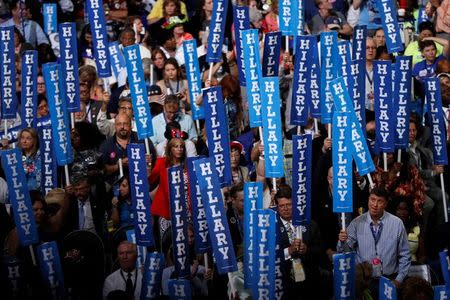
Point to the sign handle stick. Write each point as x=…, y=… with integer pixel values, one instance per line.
x=151, y=74
x=444, y=202
x=33, y=257
x=274, y=183
x=210, y=71
x=66, y=172
x=385, y=162
x=316, y=126
x=287, y=45
x=399, y=158
x=233, y=290
x=120, y=168
x=147, y=146
x=343, y=221
x=369, y=177
x=298, y=233
x=6, y=128
x=105, y=85
x=197, y=124
x=329, y=131
x=299, y=130
x=72, y=120
x=205, y=258
x=261, y=135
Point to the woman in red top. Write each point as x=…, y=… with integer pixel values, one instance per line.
x=175, y=155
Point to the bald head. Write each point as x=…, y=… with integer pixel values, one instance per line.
x=123, y=126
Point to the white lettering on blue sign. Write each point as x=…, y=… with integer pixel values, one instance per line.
x=434, y=110
x=7, y=72
x=27, y=87
x=219, y=237
x=215, y=143
x=141, y=209
x=344, y=267
x=301, y=192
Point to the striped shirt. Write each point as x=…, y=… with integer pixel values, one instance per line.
x=392, y=247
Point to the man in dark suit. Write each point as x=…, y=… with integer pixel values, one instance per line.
x=300, y=271
x=92, y=106
x=86, y=208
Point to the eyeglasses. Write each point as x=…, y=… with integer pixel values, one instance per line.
x=285, y=206
x=123, y=108
x=371, y=47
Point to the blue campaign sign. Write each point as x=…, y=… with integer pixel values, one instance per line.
x=437, y=124
x=116, y=58
x=402, y=98
x=8, y=74
x=29, y=87
x=138, y=89
x=271, y=54
x=273, y=147
x=344, y=276
x=62, y=145
x=390, y=25
x=357, y=90
x=253, y=75
x=180, y=289
x=19, y=197
x=49, y=175
x=329, y=71
x=200, y=223
x=301, y=179
x=50, y=18
x=216, y=31
x=264, y=241
x=445, y=267
x=241, y=21
x=253, y=200
x=139, y=194
x=387, y=289
x=193, y=77
x=217, y=133
x=69, y=65
x=99, y=37
x=179, y=219
x=151, y=278
x=219, y=231
x=342, y=163
x=440, y=292
x=384, y=106
x=50, y=265
x=359, y=43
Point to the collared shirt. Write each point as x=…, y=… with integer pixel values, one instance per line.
x=34, y=34
x=392, y=247
x=88, y=219
x=159, y=127
x=116, y=281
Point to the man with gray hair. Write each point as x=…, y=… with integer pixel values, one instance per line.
x=127, y=278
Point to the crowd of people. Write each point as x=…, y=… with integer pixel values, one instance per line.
x=396, y=226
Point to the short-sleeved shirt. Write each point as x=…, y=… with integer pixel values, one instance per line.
x=424, y=70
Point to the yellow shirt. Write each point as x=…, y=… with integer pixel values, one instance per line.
x=157, y=11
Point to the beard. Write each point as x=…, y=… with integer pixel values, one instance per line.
x=123, y=134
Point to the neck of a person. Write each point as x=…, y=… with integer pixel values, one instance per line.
x=122, y=142
x=128, y=270
x=376, y=218
x=369, y=65
x=324, y=13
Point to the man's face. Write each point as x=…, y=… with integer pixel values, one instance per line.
x=123, y=126
x=171, y=110
x=429, y=53
x=82, y=190
x=126, y=108
x=376, y=205
x=238, y=202
x=285, y=208
x=371, y=49
x=379, y=38
x=127, y=257
x=127, y=39
x=85, y=93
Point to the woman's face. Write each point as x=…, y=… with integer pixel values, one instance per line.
x=170, y=9
x=88, y=38
x=159, y=61
x=235, y=157
x=170, y=71
x=42, y=109
x=39, y=213
x=40, y=85
x=177, y=149
x=124, y=188
x=138, y=24
x=26, y=141
x=208, y=5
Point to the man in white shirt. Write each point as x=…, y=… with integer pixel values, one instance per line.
x=127, y=278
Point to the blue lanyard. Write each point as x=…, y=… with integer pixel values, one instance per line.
x=376, y=235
